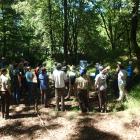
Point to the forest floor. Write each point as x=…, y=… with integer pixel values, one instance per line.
x=26, y=124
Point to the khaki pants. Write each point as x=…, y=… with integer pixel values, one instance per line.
x=83, y=100
x=59, y=94
x=122, y=92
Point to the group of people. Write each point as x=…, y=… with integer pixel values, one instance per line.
x=36, y=83
x=20, y=81
x=123, y=82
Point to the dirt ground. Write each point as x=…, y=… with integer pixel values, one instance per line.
x=26, y=124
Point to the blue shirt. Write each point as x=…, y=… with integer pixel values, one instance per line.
x=129, y=71
x=29, y=76
x=43, y=80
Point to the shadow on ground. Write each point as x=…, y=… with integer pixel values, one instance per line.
x=86, y=130
x=18, y=129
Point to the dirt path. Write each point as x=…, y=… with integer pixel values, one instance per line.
x=25, y=124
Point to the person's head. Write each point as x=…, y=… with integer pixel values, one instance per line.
x=106, y=69
x=15, y=65
x=72, y=68
x=59, y=66
x=3, y=58
x=120, y=66
x=28, y=68
x=130, y=62
x=43, y=70
x=64, y=63
x=4, y=71
x=55, y=64
x=101, y=68
x=83, y=72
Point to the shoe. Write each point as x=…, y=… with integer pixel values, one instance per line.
x=118, y=99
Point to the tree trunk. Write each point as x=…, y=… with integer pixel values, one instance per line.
x=65, y=42
x=50, y=26
x=4, y=30
x=134, y=25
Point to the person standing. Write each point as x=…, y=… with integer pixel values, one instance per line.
x=5, y=94
x=43, y=80
x=129, y=76
x=16, y=83
x=122, y=77
x=29, y=78
x=101, y=86
x=82, y=86
x=59, y=77
x=72, y=79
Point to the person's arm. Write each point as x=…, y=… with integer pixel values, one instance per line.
x=65, y=77
x=32, y=76
x=76, y=90
x=19, y=80
x=6, y=86
x=96, y=82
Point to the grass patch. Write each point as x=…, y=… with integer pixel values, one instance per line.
x=132, y=103
x=133, y=99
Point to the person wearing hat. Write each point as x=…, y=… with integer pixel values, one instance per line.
x=5, y=93
x=72, y=78
x=101, y=86
x=82, y=87
x=59, y=77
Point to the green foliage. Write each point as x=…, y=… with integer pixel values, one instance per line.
x=132, y=103
x=133, y=99
x=96, y=30
x=49, y=62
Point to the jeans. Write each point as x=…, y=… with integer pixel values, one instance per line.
x=16, y=95
x=5, y=103
x=30, y=92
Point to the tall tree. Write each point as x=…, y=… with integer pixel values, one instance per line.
x=66, y=33
x=134, y=29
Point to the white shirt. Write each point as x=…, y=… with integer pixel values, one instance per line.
x=100, y=81
x=59, y=78
x=122, y=75
x=4, y=83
